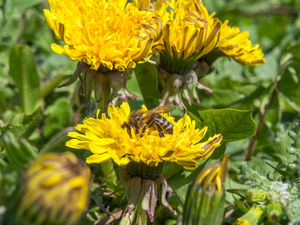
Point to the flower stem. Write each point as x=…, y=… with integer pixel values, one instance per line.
x=141, y=216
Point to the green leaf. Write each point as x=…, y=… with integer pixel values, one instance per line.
x=233, y=124
x=19, y=152
x=240, y=192
x=52, y=84
x=24, y=125
x=2, y=100
x=273, y=116
x=24, y=73
x=146, y=75
x=282, y=172
x=59, y=115
x=21, y=4
x=240, y=204
x=218, y=154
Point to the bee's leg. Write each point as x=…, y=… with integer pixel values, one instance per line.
x=158, y=128
x=144, y=129
x=129, y=132
x=128, y=128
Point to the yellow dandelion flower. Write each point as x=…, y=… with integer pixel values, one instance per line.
x=192, y=40
x=109, y=34
x=143, y=149
x=235, y=44
x=191, y=32
x=187, y=37
x=106, y=139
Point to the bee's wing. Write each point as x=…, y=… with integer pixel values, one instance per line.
x=159, y=109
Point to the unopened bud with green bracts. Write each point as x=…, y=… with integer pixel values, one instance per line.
x=252, y=217
x=256, y=195
x=205, y=201
x=54, y=189
x=273, y=212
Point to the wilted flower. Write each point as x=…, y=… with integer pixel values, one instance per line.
x=143, y=153
x=105, y=36
x=192, y=40
x=54, y=190
x=205, y=199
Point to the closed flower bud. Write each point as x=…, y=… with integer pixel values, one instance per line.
x=273, y=212
x=256, y=195
x=206, y=196
x=53, y=190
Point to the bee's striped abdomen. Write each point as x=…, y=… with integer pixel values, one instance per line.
x=161, y=124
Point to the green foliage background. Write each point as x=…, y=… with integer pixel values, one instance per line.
x=35, y=111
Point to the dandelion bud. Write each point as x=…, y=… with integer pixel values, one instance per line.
x=256, y=195
x=273, y=212
x=54, y=190
x=251, y=217
x=206, y=196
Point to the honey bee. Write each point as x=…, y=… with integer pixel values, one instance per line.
x=139, y=121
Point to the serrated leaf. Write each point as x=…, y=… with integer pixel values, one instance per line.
x=233, y=124
x=24, y=125
x=23, y=70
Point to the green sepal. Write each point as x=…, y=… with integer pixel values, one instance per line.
x=273, y=212
x=256, y=195
x=203, y=208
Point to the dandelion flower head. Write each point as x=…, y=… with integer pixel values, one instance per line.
x=110, y=34
x=106, y=139
x=190, y=33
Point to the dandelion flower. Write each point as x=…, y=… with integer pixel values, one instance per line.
x=143, y=153
x=106, y=139
x=102, y=33
x=106, y=37
x=192, y=40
